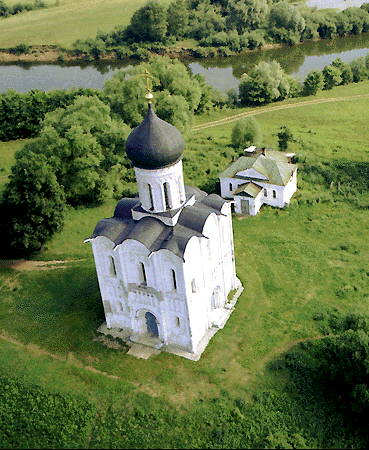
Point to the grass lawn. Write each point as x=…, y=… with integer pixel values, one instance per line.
x=295, y=264
x=65, y=21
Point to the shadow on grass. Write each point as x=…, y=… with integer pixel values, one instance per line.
x=58, y=310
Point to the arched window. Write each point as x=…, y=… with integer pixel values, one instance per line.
x=166, y=195
x=174, y=279
x=230, y=187
x=193, y=285
x=143, y=279
x=265, y=193
x=151, y=206
x=182, y=193
x=113, y=269
x=274, y=194
x=178, y=322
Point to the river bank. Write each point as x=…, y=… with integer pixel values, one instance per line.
x=54, y=54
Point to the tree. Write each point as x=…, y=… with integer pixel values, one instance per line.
x=34, y=203
x=284, y=137
x=246, y=132
x=178, y=16
x=266, y=83
x=345, y=70
x=327, y=25
x=332, y=77
x=245, y=15
x=286, y=24
x=359, y=70
x=206, y=20
x=173, y=109
x=314, y=82
x=4, y=10
x=149, y=23
x=82, y=142
x=125, y=91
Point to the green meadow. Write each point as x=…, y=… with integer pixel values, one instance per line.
x=65, y=21
x=297, y=265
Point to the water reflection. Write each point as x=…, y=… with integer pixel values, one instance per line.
x=23, y=77
x=222, y=73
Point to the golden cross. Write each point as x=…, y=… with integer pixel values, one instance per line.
x=149, y=79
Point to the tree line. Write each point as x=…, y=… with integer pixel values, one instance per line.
x=222, y=27
x=19, y=7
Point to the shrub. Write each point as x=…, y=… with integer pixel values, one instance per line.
x=332, y=77
x=246, y=132
x=34, y=203
x=20, y=49
x=284, y=137
x=31, y=417
x=266, y=83
x=314, y=82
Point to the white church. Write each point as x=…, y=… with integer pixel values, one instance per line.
x=261, y=176
x=165, y=260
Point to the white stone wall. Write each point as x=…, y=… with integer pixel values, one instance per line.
x=229, y=185
x=273, y=194
x=278, y=196
x=290, y=188
x=156, y=181
x=254, y=203
x=184, y=310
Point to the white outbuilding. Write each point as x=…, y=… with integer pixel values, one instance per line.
x=165, y=260
x=262, y=176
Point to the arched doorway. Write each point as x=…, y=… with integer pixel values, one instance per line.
x=151, y=324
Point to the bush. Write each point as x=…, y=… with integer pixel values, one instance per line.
x=30, y=417
x=21, y=115
x=314, y=82
x=34, y=204
x=332, y=77
x=284, y=137
x=266, y=83
x=148, y=24
x=246, y=132
x=20, y=49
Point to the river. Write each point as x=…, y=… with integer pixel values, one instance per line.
x=222, y=73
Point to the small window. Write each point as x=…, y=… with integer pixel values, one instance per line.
x=151, y=206
x=166, y=196
x=113, y=269
x=178, y=322
x=230, y=187
x=265, y=193
x=174, y=279
x=193, y=285
x=274, y=194
x=143, y=279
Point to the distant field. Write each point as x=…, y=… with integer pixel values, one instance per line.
x=66, y=21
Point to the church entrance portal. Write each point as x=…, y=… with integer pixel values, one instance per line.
x=245, y=207
x=151, y=324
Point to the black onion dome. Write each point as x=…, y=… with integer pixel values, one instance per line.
x=154, y=143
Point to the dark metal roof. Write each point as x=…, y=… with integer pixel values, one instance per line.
x=152, y=232
x=154, y=144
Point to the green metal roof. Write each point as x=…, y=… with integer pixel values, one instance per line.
x=276, y=171
x=248, y=189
